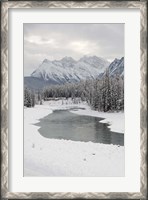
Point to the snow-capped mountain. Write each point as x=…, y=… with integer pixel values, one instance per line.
x=70, y=70
x=116, y=67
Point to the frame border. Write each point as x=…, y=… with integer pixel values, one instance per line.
x=5, y=5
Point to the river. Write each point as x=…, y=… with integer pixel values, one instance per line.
x=62, y=124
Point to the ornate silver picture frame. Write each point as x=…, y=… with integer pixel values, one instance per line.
x=5, y=100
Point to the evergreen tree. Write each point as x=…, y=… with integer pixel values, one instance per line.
x=106, y=94
x=29, y=98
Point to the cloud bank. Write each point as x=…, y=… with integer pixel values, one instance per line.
x=55, y=41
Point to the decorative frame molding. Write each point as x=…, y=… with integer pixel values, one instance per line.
x=5, y=5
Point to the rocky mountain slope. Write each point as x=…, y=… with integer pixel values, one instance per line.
x=116, y=67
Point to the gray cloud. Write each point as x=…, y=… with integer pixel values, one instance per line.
x=54, y=41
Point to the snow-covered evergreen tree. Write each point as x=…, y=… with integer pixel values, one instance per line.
x=106, y=94
x=29, y=98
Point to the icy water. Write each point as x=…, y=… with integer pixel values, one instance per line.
x=62, y=124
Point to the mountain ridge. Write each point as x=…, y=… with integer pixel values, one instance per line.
x=68, y=70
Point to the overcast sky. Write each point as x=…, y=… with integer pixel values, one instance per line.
x=55, y=41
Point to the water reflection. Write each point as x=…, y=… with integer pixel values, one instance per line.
x=62, y=124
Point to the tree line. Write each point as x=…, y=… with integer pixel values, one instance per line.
x=106, y=94
x=29, y=98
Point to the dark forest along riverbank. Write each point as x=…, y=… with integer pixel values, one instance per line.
x=62, y=124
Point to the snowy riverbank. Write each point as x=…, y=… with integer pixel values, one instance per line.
x=115, y=120
x=51, y=157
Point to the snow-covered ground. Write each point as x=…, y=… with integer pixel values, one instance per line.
x=52, y=157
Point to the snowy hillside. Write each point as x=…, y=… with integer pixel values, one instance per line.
x=70, y=70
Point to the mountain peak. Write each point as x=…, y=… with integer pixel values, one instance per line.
x=68, y=58
x=93, y=58
x=45, y=60
x=68, y=69
x=86, y=57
